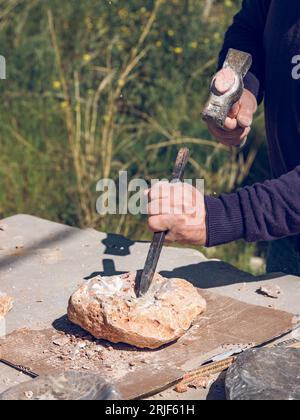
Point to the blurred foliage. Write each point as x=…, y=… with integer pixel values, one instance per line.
x=99, y=86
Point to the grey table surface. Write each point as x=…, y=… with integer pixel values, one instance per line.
x=42, y=263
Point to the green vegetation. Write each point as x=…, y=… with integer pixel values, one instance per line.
x=99, y=86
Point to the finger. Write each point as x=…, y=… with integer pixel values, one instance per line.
x=154, y=208
x=159, y=207
x=236, y=140
x=247, y=109
x=230, y=124
x=233, y=113
x=159, y=190
x=246, y=133
x=159, y=223
x=230, y=137
x=245, y=117
x=217, y=132
x=166, y=206
x=227, y=134
x=174, y=235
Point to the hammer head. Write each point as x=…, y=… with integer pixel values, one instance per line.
x=220, y=103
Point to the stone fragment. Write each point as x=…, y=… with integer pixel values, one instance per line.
x=204, y=382
x=61, y=342
x=6, y=304
x=108, y=308
x=272, y=292
x=181, y=388
x=28, y=395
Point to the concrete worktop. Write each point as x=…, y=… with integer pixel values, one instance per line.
x=42, y=263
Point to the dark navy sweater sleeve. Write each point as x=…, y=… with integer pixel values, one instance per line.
x=247, y=34
x=262, y=212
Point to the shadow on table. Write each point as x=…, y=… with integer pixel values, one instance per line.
x=117, y=245
x=211, y=274
x=217, y=390
x=63, y=324
x=206, y=275
x=109, y=270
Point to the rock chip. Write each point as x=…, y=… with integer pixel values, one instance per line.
x=108, y=308
x=272, y=292
x=6, y=304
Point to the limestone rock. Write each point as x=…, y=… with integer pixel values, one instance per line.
x=107, y=307
x=6, y=304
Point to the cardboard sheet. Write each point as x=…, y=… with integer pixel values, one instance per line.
x=227, y=324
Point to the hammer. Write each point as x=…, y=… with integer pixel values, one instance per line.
x=220, y=103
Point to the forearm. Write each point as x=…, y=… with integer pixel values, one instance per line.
x=263, y=212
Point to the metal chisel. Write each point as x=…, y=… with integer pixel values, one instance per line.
x=159, y=237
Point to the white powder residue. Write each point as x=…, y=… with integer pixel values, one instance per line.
x=108, y=286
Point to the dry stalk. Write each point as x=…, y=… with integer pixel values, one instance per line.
x=207, y=9
x=71, y=127
x=84, y=124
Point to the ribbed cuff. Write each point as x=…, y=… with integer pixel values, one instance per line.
x=224, y=219
x=252, y=83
